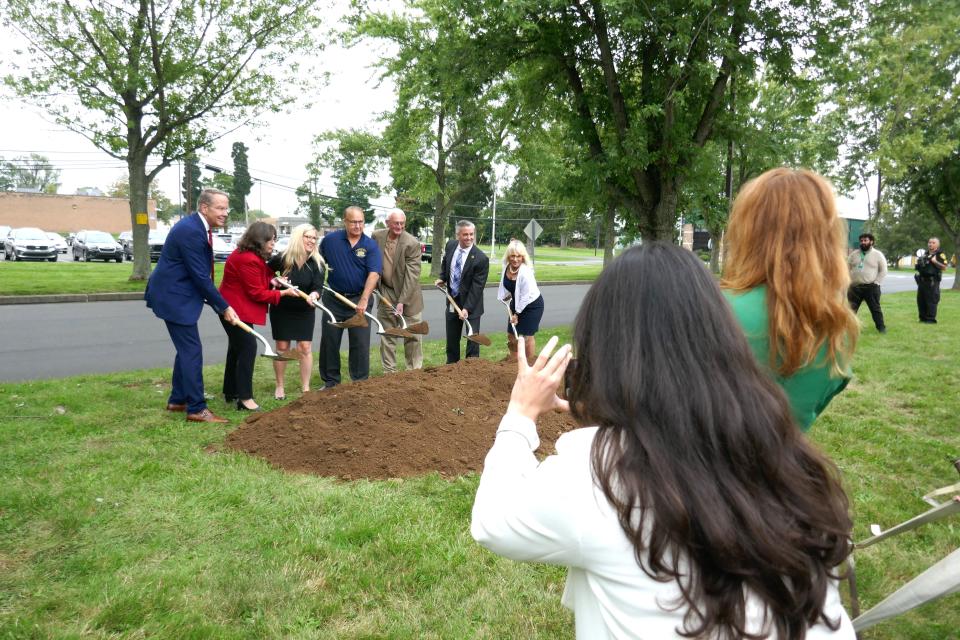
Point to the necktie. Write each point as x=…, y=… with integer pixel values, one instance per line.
x=455, y=278
x=210, y=242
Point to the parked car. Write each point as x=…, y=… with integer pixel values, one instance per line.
x=155, y=239
x=29, y=243
x=222, y=248
x=126, y=241
x=96, y=245
x=4, y=232
x=426, y=252
x=58, y=240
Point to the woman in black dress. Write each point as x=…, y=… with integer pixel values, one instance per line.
x=519, y=286
x=293, y=319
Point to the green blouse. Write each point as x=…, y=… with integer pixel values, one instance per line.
x=811, y=388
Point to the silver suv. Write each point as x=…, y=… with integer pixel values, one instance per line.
x=29, y=243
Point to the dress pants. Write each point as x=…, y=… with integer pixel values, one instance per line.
x=928, y=298
x=331, y=337
x=869, y=293
x=187, y=386
x=412, y=347
x=238, y=369
x=455, y=336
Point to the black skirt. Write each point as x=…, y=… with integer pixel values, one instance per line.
x=528, y=322
x=292, y=325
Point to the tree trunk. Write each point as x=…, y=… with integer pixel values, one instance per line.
x=609, y=233
x=563, y=240
x=665, y=213
x=139, y=220
x=956, y=271
x=439, y=235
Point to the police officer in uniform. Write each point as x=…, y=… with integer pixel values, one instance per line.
x=355, y=264
x=930, y=268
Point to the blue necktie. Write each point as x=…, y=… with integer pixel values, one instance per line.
x=455, y=278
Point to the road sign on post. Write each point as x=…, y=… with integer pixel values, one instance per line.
x=532, y=230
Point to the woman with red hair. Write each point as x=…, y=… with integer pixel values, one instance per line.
x=786, y=278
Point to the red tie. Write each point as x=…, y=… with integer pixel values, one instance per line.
x=210, y=242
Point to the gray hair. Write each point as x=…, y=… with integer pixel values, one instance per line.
x=463, y=224
x=206, y=196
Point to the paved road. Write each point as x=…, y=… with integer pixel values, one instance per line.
x=42, y=341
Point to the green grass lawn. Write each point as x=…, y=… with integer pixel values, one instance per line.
x=38, y=278
x=118, y=520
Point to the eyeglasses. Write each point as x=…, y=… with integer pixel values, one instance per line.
x=314, y=238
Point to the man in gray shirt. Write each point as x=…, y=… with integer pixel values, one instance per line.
x=868, y=267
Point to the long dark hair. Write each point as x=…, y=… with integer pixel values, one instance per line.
x=698, y=452
x=256, y=237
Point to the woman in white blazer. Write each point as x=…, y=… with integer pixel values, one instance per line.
x=519, y=286
x=689, y=504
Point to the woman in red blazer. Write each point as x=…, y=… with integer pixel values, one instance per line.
x=246, y=288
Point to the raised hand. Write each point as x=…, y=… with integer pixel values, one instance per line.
x=535, y=390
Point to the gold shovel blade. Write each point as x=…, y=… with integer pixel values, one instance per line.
x=351, y=323
x=421, y=328
x=400, y=333
x=479, y=338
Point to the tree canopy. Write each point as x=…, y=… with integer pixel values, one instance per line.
x=152, y=81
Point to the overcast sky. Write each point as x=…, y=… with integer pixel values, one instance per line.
x=279, y=149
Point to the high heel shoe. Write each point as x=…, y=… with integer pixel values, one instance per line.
x=242, y=407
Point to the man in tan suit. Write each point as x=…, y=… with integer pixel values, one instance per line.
x=400, y=284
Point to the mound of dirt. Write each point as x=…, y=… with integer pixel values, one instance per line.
x=404, y=424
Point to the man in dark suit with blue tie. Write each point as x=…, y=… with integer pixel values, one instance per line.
x=177, y=290
x=463, y=272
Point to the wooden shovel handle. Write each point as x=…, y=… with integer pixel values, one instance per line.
x=243, y=325
x=383, y=298
x=345, y=300
x=447, y=293
x=299, y=292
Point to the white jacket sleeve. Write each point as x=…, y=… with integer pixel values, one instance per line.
x=527, y=289
x=525, y=510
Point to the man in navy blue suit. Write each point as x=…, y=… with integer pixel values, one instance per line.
x=177, y=290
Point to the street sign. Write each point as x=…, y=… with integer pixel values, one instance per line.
x=532, y=230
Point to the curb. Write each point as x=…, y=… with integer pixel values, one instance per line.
x=59, y=298
x=71, y=297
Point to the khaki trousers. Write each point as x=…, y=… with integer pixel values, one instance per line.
x=412, y=348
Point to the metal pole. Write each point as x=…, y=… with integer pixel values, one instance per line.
x=493, y=234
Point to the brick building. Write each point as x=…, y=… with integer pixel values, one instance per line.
x=65, y=214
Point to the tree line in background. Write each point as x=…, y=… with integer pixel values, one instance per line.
x=618, y=120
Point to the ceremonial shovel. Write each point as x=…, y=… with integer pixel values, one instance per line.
x=268, y=351
x=417, y=327
x=359, y=321
x=479, y=338
x=317, y=304
x=506, y=303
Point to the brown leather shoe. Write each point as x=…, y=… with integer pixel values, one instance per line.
x=171, y=406
x=205, y=416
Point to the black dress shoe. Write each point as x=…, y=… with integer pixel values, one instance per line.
x=241, y=407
